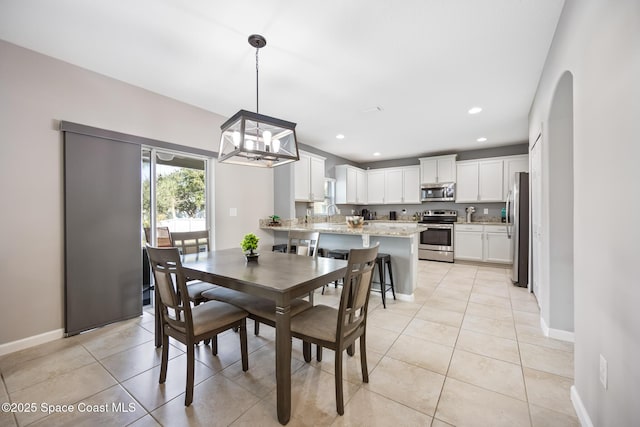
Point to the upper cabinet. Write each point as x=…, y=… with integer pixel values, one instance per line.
x=479, y=181
x=438, y=169
x=375, y=186
x=351, y=185
x=309, y=178
x=513, y=164
x=393, y=185
x=411, y=184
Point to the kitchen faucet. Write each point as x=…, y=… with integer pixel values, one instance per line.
x=336, y=211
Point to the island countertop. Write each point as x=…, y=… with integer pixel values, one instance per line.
x=388, y=229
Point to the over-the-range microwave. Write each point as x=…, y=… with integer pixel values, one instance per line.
x=442, y=192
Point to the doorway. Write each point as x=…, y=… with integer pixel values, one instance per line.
x=174, y=199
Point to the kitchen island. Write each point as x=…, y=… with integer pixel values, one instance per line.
x=398, y=239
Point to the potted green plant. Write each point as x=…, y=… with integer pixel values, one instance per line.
x=275, y=220
x=250, y=243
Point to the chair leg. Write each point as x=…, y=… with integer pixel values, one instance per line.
x=351, y=350
x=319, y=353
x=214, y=345
x=338, y=368
x=256, y=327
x=393, y=290
x=190, y=367
x=243, y=345
x=306, y=351
x=165, y=358
x=383, y=286
x=363, y=359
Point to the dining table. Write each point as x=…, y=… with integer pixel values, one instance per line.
x=279, y=277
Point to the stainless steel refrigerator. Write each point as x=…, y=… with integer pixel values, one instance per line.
x=518, y=227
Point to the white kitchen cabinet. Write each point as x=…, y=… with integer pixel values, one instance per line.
x=393, y=185
x=411, y=184
x=479, y=181
x=361, y=187
x=485, y=243
x=351, y=185
x=375, y=186
x=497, y=246
x=309, y=178
x=513, y=164
x=438, y=169
x=468, y=242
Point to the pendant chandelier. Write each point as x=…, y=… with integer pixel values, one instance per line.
x=254, y=139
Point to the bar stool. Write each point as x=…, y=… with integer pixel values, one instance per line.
x=337, y=254
x=383, y=261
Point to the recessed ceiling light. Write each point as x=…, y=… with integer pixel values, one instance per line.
x=340, y=136
x=474, y=110
x=483, y=139
x=376, y=154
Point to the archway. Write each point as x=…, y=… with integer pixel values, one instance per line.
x=560, y=213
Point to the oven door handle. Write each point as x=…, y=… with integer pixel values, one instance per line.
x=438, y=226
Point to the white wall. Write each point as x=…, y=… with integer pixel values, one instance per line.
x=598, y=41
x=35, y=93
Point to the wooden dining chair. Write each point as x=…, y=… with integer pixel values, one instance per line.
x=304, y=242
x=193, y=242
x=163, y=236
x=338, y=329
x=186, y=324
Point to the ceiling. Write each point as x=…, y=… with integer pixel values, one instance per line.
x=394, y=77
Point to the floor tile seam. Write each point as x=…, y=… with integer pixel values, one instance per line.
x=486, y=333
x=117, y=352
x=575, y=416
x=525, y=400
x=244, y=387
x=548, y=373
x=415, y=365
x=524, y=341
x=58, y=375
x=368, y=388
x=488, y=357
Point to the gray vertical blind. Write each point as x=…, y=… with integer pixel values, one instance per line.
x=103, y=274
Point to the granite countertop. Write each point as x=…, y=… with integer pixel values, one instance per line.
x=401, y=229
x=482, y=223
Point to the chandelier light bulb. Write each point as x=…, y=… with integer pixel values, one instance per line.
x=236, y=139
x=276, y=145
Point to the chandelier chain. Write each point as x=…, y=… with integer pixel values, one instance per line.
x=257, y=87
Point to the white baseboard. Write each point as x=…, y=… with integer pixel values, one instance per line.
x=403, y=297
x=557, y=334
x=14, y=346
x=581, y=411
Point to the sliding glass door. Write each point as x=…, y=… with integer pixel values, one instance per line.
x=174, y=196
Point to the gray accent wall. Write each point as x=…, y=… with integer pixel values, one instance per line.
x=38, y=92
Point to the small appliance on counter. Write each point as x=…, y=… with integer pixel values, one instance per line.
x=393, y=216
x=366, y=214
x=470, y=210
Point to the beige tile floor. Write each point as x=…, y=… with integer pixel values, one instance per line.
x=468, y=351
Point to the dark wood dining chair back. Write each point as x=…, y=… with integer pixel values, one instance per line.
x=338, y=329
x=305, y=242
x=189, y=325
x=191, y=242
x=163, y=236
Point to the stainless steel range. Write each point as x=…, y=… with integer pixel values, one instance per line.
x=436, y=241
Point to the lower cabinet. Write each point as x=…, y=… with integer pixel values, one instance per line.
x=484, y=243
